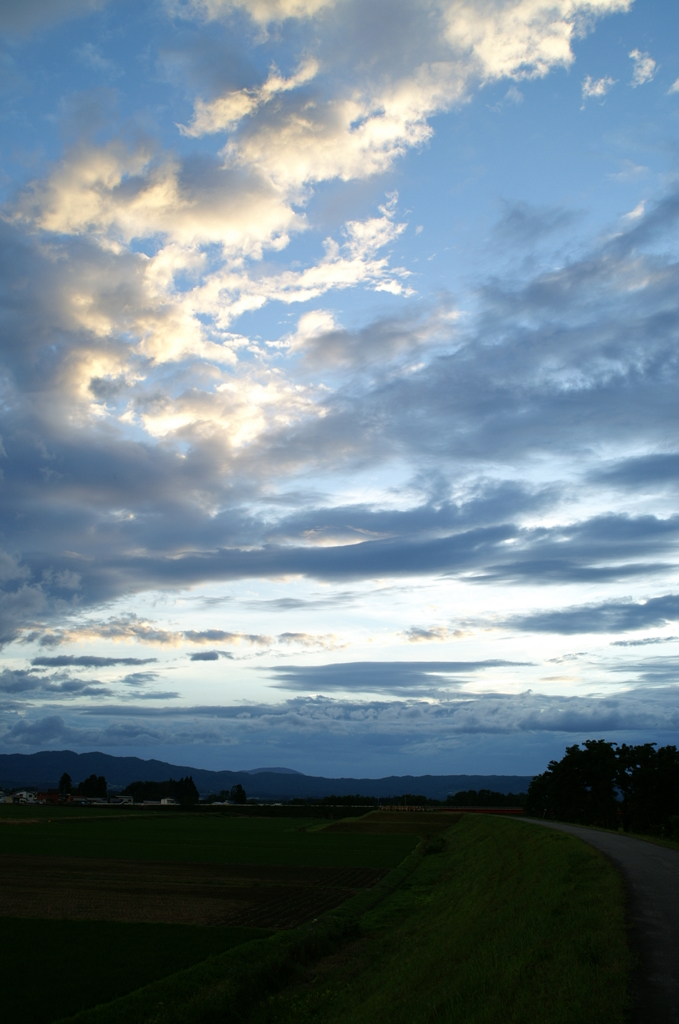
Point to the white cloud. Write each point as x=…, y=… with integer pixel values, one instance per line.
x=224, y=113
x=514, y=95
x=117, y=194
x=596, y=88
x=644, y=68
x=674, y=87
x=352, y=135
x=263, y=12
x=637, y=212
x=522, y=38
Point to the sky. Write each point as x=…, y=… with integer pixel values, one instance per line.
x=338, y=385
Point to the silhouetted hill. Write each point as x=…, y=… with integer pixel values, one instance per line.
x=46, y=767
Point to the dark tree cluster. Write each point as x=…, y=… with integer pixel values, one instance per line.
x=183, y=791
x=631, y=787
x=486, y=798
x=236, y=794
x=95, y=786
x=336, y=801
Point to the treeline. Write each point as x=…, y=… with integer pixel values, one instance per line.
x=486, y=798
x=635, y=788
x=182, y=790
x=94, y=786
x=466, y=798
x=236, y=795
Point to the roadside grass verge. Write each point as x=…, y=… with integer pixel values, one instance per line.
x=504, y=924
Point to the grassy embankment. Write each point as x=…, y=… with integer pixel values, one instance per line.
x=507, y=924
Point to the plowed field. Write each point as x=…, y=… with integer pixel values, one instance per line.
x=276, y=896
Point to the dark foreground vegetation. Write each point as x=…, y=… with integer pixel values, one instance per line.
x=136, y=916
x=635, y=788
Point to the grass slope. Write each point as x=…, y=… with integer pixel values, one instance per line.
x=509, y=924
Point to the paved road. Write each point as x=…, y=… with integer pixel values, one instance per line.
x=652, y=876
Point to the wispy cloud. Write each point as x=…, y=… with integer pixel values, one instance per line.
x=596, y=88
x=644, y=69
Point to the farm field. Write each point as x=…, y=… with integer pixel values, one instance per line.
x=195, y=837
x=486, y=920
x=98, y=902
x=54, y=968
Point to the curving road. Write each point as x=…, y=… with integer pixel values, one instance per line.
x=652, y=876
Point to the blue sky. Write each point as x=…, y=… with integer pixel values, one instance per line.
x=339, y=375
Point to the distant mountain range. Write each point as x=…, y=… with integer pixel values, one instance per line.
x=45, y=768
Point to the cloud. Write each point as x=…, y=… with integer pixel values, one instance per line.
x=86, y=661
x=596, y=88
x=523, y=223
x=139, y=678
x=323, y=344
x=382, y=676
x=674, y=87
x=606, y=617
x=644, y=641
x=522, y=38
x=92, y=57
x=463, y=732
x=262, y=12
x=644, y=68
x=657, y=470
x=432, y=634
x=18, y=682
x=33, y=15
x=131, y=629
x=141, y=460
x=661, y=672
x=225, y=112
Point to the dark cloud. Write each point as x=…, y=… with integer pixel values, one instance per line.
x=662, y=671
x=139, y=678
x=86, y=661
x=382, y=676
x=606, y=617
x=205, y=656
x=469, y=732
x=18, y=681
x=654, y=470
x=31, y=15
x=645, y=641
x=525, y=224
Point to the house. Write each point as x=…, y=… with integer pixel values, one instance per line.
x=24, y=796
x=49, y=796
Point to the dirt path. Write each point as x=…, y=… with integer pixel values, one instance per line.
x=652, y=876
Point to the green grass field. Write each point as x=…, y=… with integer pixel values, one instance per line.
x=57, y=968
x=212, y=838
x=508, y=924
